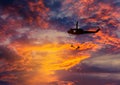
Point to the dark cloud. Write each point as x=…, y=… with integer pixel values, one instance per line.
x=8, y=54
x=89, y=78
x=117, y=4
x=104, y=63
x=6, y=2
x=54, y=5
x=23, y=10
x=105, y=1
x=4, y=83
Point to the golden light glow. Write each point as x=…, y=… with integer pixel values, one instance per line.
x=45, y=59
x=48, y=58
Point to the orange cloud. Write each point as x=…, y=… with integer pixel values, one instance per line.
x=48, y=58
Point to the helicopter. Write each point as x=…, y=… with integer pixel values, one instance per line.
x=78, y=31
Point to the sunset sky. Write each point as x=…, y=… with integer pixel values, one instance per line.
x=35, y=48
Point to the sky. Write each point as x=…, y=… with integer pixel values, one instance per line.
x=35, y=48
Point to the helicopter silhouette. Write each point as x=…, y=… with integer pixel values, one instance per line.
x=78, y=31
x=75, y=47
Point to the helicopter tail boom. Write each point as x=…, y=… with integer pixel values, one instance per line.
x=92, y=31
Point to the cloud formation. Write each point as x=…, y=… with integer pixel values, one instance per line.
x=106, y=62
x=34, y=42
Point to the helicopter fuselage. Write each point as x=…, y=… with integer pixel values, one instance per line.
x=75, y=31
x=80, y=31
